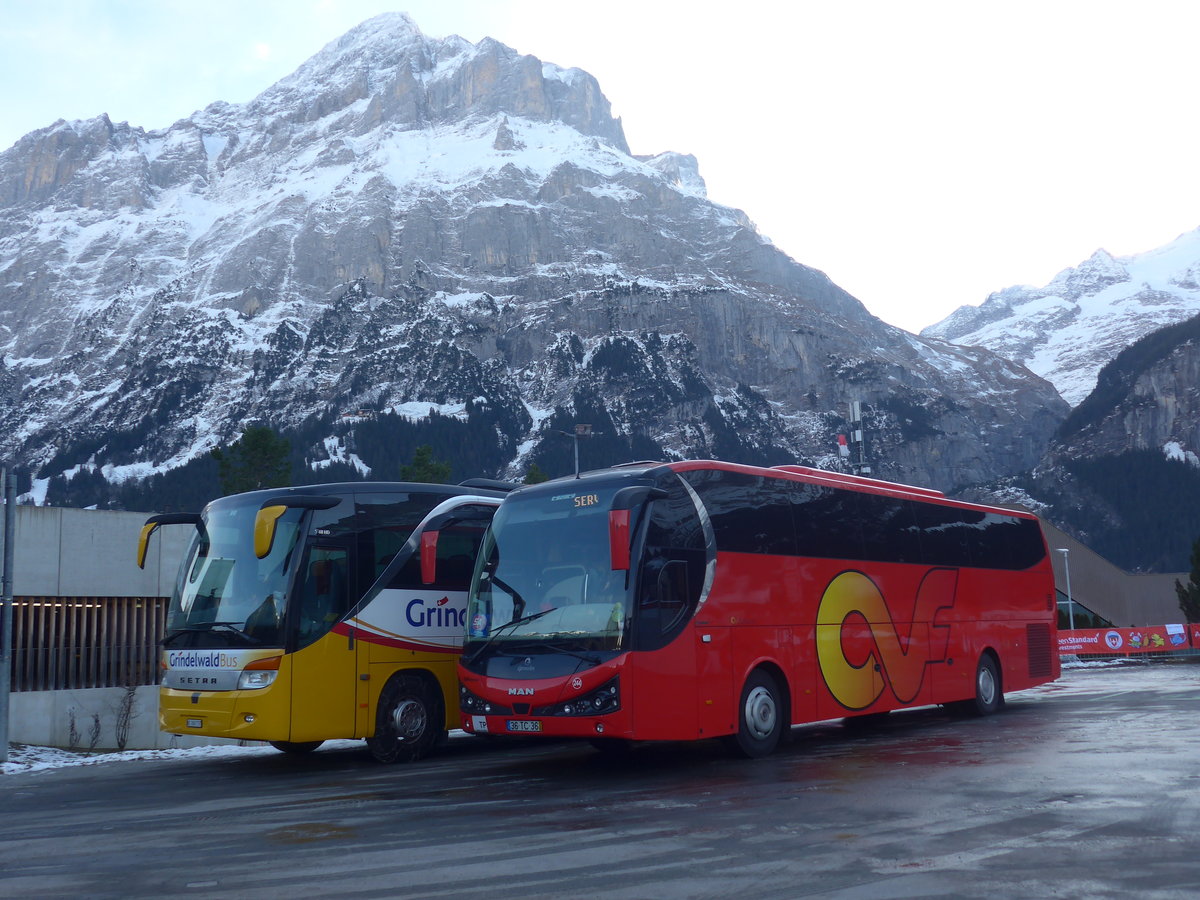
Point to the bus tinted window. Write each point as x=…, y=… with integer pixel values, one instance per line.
x=944, y=533
x=673, y=567
x=385, y=522
x=952, y=536
x=827, y=522
x=749, y=513
x=1026, y=545
x=889, y=529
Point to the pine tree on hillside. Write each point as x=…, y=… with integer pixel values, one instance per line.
x=258, y=459
x=535, y=475
x=1189, y=595
x=424, y=468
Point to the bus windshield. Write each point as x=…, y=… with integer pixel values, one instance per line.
x=544, y=576
x=225, y=596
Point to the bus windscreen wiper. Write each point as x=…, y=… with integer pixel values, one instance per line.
x=199, y=627
x=505, y=627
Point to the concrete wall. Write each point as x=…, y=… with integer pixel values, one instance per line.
x=1124, y=598
x=92, y=553
x=43, y=718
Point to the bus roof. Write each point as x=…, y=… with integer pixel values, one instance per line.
x=349, y=487
x=860, y=480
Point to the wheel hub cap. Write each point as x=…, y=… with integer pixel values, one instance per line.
x=409, y=719
x=760, y=713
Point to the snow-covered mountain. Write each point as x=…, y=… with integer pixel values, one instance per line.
x=430, y=230
x=1067, y=330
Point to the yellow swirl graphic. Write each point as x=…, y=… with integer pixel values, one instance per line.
x=893, y=659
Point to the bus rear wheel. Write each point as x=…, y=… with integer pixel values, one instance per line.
x=296, y=748
x=989, y=692
x=760, y=718
x=408, y=721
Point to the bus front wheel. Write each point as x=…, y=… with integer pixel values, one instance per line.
x=760, y=718
x=408, y=721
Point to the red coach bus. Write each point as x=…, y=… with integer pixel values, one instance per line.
x=702, y=599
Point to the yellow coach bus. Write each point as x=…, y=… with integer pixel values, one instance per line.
x=306, y=614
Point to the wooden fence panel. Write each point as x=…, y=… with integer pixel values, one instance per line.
x=63, y=643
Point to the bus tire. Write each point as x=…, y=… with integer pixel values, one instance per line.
x=760, y=718
x=989, y=690
x=296, y=748
x=408, y=721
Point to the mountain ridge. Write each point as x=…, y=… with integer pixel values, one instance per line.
x=477, y=240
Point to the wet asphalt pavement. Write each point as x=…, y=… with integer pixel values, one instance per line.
x=1086, y=788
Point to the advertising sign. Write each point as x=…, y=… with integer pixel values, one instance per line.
x=1129, y=641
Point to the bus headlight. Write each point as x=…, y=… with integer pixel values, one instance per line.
x=251, y=680
x=259, y=674
x=604, y=699
x=473, y=704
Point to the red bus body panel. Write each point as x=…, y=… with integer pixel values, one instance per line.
x=843, y=637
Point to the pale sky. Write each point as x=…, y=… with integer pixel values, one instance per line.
x=922, y=154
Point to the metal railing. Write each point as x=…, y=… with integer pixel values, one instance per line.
x=62, y=643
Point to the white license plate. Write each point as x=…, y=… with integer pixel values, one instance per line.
x=522, y=725
x=195, y=723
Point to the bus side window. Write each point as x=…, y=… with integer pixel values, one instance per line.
x=672, y=593
x=456, y=549
x=324, y=595
x=672, y=570
x=383, y=524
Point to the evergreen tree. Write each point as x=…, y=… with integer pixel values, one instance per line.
x=1189, y=595
x=260, y=458
x=424, y=468
x=535, y=475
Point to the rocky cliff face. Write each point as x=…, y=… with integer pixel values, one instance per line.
x=1147, y=398
x=1123, y=472
x=420, y=227
x=1067, y=330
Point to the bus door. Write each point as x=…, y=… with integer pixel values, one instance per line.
x=325, y=665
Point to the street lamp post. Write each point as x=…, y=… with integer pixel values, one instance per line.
x=1066, y=552
x=580, y=431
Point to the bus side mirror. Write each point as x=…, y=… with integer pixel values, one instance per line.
x=144, y=543
x=429, y=542
x=264, y=529
x=274, y=507
x=618, y=539
x=151, y=526
x=618, y=520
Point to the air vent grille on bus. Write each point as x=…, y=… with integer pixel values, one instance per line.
x=1037, y=639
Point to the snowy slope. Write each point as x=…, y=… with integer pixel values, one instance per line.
x=1067, y=330
x=408, y=223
